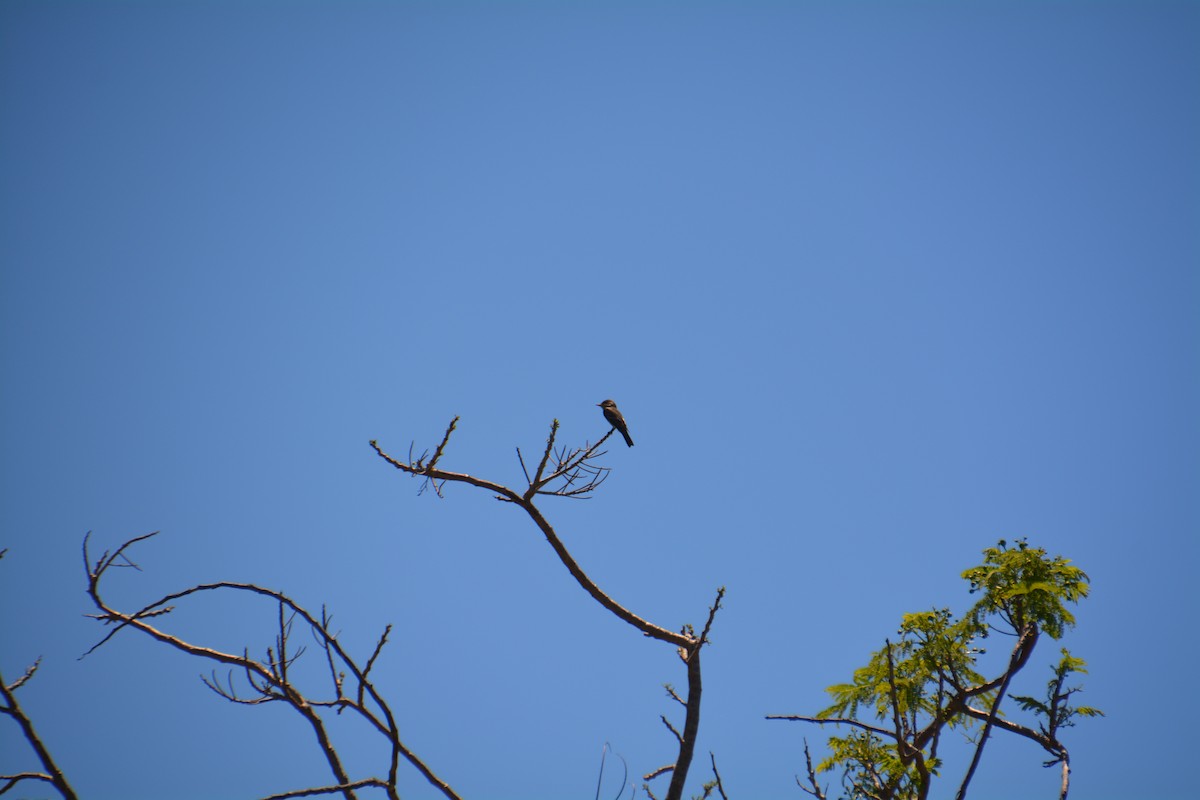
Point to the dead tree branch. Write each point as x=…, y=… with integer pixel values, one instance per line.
x=716, y=782
x=813, y=787
x=575, y=473
x=270, y=679
x=11, y=707
x=525, y=503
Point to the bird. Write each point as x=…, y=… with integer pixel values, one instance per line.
x=616, y=420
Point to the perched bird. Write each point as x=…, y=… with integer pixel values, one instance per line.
x=616, y=420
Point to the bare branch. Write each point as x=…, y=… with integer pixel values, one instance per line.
x=579, y=476
x=12, y=708
x=903, y=749
x=105, y=561
x=29, y=671
x=508, y=495
x=604, y=751
x=441, y=448
x=524, y=469
x=371, y=661
x=281, y=642
x=228, y=692
x=815, y=791
x=366, y=782
x=13, y=780
x=323, y=637
x=671, y=728
x=271, y=679
x=536, y=483
x=1052, y=746
x=712, y=612
x=419, y=468
x=691, y=723
x=649, y=776
x=717, y=775
x=834, y=721
x=591, y=588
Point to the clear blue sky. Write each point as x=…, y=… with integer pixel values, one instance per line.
x=875, y=285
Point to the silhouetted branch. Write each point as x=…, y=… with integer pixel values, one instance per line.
x=1020, y=655
x=371, y=661
x=691, y=723
x=625, y=766
x=671, y=728
x=815, y=789
x=441, y=448
x=372, y=782
x=716, y=779
x=526, y=504
x=10, y=706
x=834, y=721
x=712, y=613
x=271, y=678
x=649, y=776
x=566, y=472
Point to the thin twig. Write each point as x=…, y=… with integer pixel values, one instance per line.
x=649, y=776
x=12, y=708
x=717, y=775
x=712, y=612
x=271, y=679
x=375, y=782
x=815, y=791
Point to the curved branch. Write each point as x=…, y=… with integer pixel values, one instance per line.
x=12, y=780
x=1020, y=655
x=272, y=677
x=573, y=467
x=645, y=626
x=12, y=708
x=526, y=504
x=1050, y=745
x=835, y=721
x=366, y=782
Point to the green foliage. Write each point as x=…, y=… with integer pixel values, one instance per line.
x=1057, y=712
x=1024, y=586
x=871, y=767
x=928, y=680
x=910, y=675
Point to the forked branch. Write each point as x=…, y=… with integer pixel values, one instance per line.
x=271, y=679
x=573, y=473
x=525, y=503
x=10, y=706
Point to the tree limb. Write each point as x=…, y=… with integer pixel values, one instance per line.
x=271, y=679
x=12, y=708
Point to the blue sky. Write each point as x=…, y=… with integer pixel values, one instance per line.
x=875, y=285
